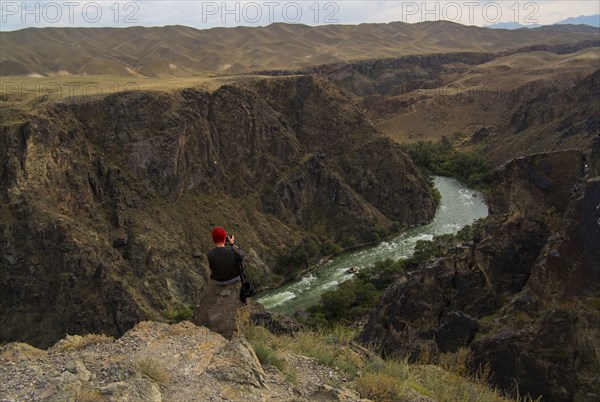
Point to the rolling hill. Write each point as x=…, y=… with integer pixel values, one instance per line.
x=185, y=51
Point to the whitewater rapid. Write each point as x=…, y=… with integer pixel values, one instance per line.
x=459, y=206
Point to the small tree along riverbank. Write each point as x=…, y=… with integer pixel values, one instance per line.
x=353, y=299
x=440, y=158
x=459, y=206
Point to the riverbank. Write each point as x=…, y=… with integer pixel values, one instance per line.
x=325, y=259
x=457, y=209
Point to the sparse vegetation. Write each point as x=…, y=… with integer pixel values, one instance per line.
x=180, y=314
x=354, y=298
x=267, y=350
x=430, y=249
x=522, y=317
x=266, y=355
x=382, y=379
x=442, y=159
x=152, y=369
x=594, y=302
x=304, y=254
x=458, y=362
x=329, y=349
x=90, y=395
x=76, y=342
x=379, y=387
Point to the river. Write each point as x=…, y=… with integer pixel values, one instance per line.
x=459, y=206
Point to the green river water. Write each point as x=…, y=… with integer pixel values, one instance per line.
x=459, y=206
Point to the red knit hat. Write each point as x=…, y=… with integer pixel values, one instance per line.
x=219, y=234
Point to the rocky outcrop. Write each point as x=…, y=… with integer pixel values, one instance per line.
x=108, y=202
x=151, y=362
x=276, y=323
x=579, y=118
x=548, y=120
x=548, y=335
x=540, y=183
x=439, y=304
x=523, y=295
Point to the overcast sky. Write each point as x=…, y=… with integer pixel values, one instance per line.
x=210, y=14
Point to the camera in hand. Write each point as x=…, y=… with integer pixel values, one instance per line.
x=227, y=240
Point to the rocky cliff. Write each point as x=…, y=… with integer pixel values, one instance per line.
x=555, y=119
x=156, y=362
x=400, y=75
x=501, y=105
x=107, y=200
x=523, y=295
x=182, y=362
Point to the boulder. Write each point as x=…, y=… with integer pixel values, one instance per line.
x=276, y=323
x=151, y=362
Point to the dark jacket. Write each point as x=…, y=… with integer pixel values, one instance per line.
x=224, y=263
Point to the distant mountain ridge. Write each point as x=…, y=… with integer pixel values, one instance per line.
x=591, y=20
x=512, y=25
x=185, y=51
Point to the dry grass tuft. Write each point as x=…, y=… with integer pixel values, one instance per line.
x=267, y=348
x=458, y=362
x=328, y=348
x=384, y=380
x=381, y=379
x=152, y=369
x=90, y=395
x=379, y=387
x=444, y=386
x=14, y=352
x=76, y=342
x=266, y=355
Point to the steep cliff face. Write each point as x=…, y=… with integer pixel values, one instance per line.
x=548, y=335
x=538, y=184
x=553, y=119
x=106, y=200
x=373, y=166
x=500, y=105
x=523, y=295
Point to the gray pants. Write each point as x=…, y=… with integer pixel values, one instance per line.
x=221, y=310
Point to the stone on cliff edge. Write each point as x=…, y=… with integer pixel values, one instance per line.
x=159, y=362
x=152, y=362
